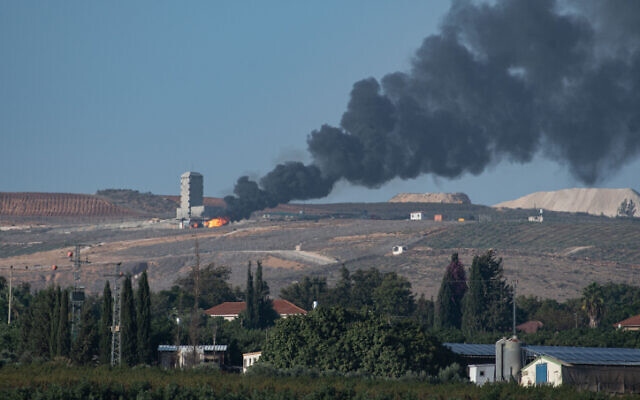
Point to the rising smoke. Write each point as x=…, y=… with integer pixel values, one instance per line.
x=501, y=81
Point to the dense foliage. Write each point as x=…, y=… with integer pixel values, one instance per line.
x=57, y=381
x=364, y=290
x=368, y=323
x=335, y=339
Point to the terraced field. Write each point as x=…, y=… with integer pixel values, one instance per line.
x=14, y=205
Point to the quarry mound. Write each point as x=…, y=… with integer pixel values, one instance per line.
x=587, y=200
x=449, y=198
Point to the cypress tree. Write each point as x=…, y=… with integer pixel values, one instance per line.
x=56, y=296
x=64, y=327
x=474, y=300
x=250, y=311
x=487, y=304
x=265, y=314
x=259, y=297
x=143, y=307
x=128, y=334
x=450, y=295
x=86, y=346
x=106, y=319
x=41, y=339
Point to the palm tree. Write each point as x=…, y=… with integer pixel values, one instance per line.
x=593, y=303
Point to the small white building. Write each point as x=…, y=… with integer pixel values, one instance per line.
x=544, y=370
x=482, y=373
x=248, y=359
x=416, y=216
x=171, y=356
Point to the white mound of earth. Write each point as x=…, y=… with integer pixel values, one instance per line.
x=591, y=201
x=454, y=198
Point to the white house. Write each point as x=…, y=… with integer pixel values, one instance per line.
x=416, y=216
x=482, y=373
x=248, y=359
x=544, y=370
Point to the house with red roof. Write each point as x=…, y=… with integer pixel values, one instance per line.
x=629, y=324
x=230, y=310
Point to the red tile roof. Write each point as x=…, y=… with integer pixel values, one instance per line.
x=227, y=308
x=629, y=322
x=284, y=307
x=233, y=308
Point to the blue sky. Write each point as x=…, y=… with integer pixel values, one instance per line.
x=98, y=95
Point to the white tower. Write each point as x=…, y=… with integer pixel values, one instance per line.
x=191, y=196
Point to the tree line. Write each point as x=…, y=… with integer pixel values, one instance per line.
x=363, y=307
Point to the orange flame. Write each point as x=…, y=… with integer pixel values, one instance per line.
x=216, y=222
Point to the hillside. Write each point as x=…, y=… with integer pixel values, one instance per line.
x=554, y=259
x=592, y=201
x=58, y=205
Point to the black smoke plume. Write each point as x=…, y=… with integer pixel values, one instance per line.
x=501, y=81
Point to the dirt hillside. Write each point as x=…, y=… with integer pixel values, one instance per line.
x=591, y=201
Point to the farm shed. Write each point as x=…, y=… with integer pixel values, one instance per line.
x=611, y=370
x=598, y=369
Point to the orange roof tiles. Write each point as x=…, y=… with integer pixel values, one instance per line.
x=233, y=308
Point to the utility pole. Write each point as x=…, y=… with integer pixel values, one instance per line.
x=515, y=283
x=116, y=349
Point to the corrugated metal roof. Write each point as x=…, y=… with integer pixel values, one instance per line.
x=588, y=355
x=571, y=355
x=472, y=349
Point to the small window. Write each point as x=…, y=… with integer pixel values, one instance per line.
x=481, y=373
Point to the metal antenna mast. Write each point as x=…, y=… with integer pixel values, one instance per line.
x=10, y=294
x=77, y=294
x=116, y=349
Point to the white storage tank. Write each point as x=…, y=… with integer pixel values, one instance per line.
x=508, y=359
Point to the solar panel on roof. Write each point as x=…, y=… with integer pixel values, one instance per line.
x=571, y=355
x=588, y=355
x=472, y=349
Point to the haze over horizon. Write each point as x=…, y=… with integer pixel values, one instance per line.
x=233, y=89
